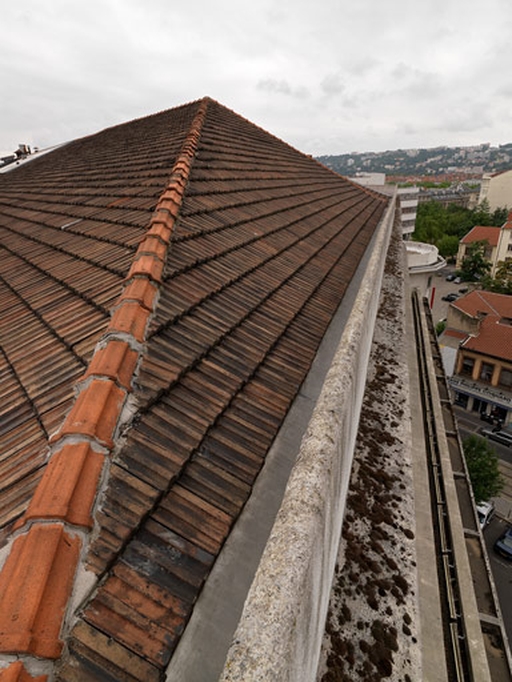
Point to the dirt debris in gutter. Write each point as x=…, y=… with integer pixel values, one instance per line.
x=371, y=630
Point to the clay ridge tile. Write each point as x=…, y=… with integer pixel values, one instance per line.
x=68, y=487
x=37, y=578
x=43, y=561
x=16, y=673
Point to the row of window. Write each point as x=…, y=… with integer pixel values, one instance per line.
x=486, y=372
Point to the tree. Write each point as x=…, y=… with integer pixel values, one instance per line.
x=448, y=245
x=502, y=281
x=482, y=463
x=440, y=327
x=482, y=213
x=499, y=216
x=474, y=264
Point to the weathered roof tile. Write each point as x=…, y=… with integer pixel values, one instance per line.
x=223, y=255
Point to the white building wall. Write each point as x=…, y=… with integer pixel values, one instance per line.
x=497, y=189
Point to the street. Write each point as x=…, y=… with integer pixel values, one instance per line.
x=441, y=287
x=501, y=571
x=470, y=423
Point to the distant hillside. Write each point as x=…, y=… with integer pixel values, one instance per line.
x=436, y=161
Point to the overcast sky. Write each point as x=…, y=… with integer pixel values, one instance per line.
x=328, y=77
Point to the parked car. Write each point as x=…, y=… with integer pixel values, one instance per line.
x=503, y=437
x=503, y=544
x=450, y=277
x=485, y=511
x=457, y=280
x=463, y=290
x=450, y=297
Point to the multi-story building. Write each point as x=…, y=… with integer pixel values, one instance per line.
x=409, y=208
x=497, y=189
x=499, y=243
x=408, y=197
x=477, y=353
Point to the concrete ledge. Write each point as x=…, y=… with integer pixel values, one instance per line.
x=280, y=633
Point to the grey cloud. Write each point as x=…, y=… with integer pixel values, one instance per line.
x=332, y=84
x=282, y=87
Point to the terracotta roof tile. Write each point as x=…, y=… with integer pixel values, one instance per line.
x=35, y=585
x=95, y=413
x=494, y=338
x=222, y=328
x=115, y=360
x=16, y=673
x=481, y=233
x=69, y=486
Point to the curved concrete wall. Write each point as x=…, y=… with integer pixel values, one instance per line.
x=280, y=632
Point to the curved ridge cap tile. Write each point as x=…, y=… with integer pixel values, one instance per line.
x=116, y=360
x=16, y=672
x=152, y=244
x=146, y=265
x=37, y=578
x=35, y=586
x=140, y=290
x=68, y=487
x=161, y=227
x=130, y=318
x=95, y=412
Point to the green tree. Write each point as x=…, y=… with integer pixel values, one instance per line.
x=440, y=327
x=448, y=245
x=501, y=283
x=482, y=213
x=482, y=463
x=499, y=216
x=474, y=264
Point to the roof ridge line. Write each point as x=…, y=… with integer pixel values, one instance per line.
x=35, y=573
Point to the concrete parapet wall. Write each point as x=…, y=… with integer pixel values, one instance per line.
x=280, y=632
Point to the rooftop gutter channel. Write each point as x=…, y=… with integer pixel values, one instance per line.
x=280, y=632
x=42, y=575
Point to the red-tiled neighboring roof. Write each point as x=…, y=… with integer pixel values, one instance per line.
x=481, y=233
x=454, y=334
x=236, y=250
x=495, y=331
x=477, y=302
x=494, y=339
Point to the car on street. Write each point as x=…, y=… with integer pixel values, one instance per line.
x=450, y=297
x=450, y=277
x=503, y=437
x=485, y=511
x=503, y=544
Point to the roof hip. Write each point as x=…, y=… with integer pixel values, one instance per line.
x=61, y=497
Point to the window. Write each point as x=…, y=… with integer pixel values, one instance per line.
x=506, y=378
x=467, y=366
x=461, y=399
x=486, y=371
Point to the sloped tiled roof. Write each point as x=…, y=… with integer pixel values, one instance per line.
x=478, y=301
x=177, y=273
x=495, y=330
x=480, y=233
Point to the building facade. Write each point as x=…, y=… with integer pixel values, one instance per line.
x=498, y=243
x=496, y=188
x=477, y=354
